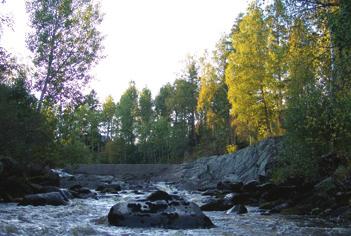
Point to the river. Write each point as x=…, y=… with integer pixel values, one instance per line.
x=88, y=217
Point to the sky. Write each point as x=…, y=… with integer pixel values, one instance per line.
x=146, y=41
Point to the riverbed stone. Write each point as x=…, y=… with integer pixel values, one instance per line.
x=327, y=185
x=159, y=195
x=40, y=199
x=238, y=209
x=250, y=186
x=217, y=205
x=161, y=211
x=78, y=191
x=109, y=188
x=45, y=177
x=230, y=186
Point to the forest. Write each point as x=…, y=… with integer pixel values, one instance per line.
x=284, y=70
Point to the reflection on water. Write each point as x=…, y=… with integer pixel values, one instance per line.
x=88, y=217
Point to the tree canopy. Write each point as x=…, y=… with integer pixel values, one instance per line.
x=65, y=43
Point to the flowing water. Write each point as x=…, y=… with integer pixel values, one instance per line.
x=88, y=217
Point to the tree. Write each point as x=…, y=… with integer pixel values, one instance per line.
x=145, y=120
x=108, y=116
x=302, y=105
x=66, y=44
x=5, y=20
x=145, y=115
x=127, y=110
x=318, y=103
x=25, y=134
x=163, y=102
x=278, y=23
x=213, y=105
x=184, y=100
x=249, y=85
x=192, y=78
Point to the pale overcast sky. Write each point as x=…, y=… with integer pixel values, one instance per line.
x=146, y=40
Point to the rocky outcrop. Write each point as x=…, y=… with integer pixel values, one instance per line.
x=251, y=163
x=159, y=210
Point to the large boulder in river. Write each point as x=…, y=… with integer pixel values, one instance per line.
x=159, y=210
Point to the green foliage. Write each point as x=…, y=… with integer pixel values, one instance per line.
x=74, y=153
x=108, y=116
x=163, y=101
x=319, y=105
x=252, y=88
x=231, y=148
x=127, y=110
x=213, y=106
x=25, y=135
x=288, y=74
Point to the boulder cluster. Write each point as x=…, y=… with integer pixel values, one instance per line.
x=325, y=198
x=37, y=185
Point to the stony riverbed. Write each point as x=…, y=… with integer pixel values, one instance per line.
x=88, y=217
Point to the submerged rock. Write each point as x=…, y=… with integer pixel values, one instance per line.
x=159, y=210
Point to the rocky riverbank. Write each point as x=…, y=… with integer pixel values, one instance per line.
x=16, y=180
x=229, y=183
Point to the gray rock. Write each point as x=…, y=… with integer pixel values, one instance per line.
x=109, y=188
x=172, y=213
x=279, y=208
x=159, y=195
x=40, y=199
x=217, y=205
x=250, y=186
x=66, y=194
x=231, y=178
x=251, y=163
x=49, y=189
x=238, y=209
x=89, y=181
x=326, y=186
x=230, y=186
x=78, y=191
